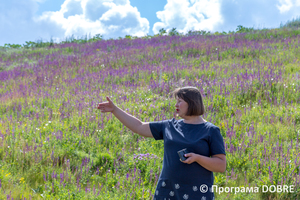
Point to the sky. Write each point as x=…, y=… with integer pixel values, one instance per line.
x=33, y=20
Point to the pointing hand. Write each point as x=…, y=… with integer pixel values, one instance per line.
x=106, y=106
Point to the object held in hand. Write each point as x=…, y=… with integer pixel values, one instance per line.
x=181, y=154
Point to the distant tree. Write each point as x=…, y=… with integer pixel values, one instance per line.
x=173, y=32
x=15, y=46
x=29, y=44
x=162, y=31
x=242, y=29
x=128, y=37
x=147, y=37
x=98, y=37
x=294, y=23
x=51, y=43
x=201, y=32
x=220, y=33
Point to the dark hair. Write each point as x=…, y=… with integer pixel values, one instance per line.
x=193, y=97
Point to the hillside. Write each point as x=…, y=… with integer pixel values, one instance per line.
x=55, y=144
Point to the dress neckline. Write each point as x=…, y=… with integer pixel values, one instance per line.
x=194, y=124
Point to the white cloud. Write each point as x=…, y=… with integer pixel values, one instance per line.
x=225, y=15
x=18, y=25
x=107, y=17
x=285, y=5
x=111, y=18
x=188, y=15
x=71, y=8
x=255, y=13
x=93, y=10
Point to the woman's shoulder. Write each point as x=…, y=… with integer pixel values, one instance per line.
x=170, y=122
x=212, y=126
x=175, y=121
x=165, y=121
x=207, y=124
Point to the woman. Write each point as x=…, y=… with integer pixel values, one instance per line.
x=182, y=179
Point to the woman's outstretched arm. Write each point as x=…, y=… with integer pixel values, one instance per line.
x=131, y=122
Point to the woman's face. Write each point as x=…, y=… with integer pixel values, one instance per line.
x=181, y=106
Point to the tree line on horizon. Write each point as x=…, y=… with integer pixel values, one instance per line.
x=294, y=24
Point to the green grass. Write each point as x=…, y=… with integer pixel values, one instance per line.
x=49, y=126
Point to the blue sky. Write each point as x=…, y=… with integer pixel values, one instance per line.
x=32, y=20
x=147, y=8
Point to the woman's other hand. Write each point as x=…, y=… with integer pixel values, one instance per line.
x=191, y=157
x=106, y=106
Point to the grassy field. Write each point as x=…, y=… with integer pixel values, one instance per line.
x=55, y=144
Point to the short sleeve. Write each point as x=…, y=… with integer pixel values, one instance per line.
x=157, y=128
x=216, y=143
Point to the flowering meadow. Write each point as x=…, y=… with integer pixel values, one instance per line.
x=55, y=144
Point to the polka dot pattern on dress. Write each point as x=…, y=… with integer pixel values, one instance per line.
x=185, y=196
x=195, y=189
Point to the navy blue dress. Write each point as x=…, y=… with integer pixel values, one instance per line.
x=180, y=180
